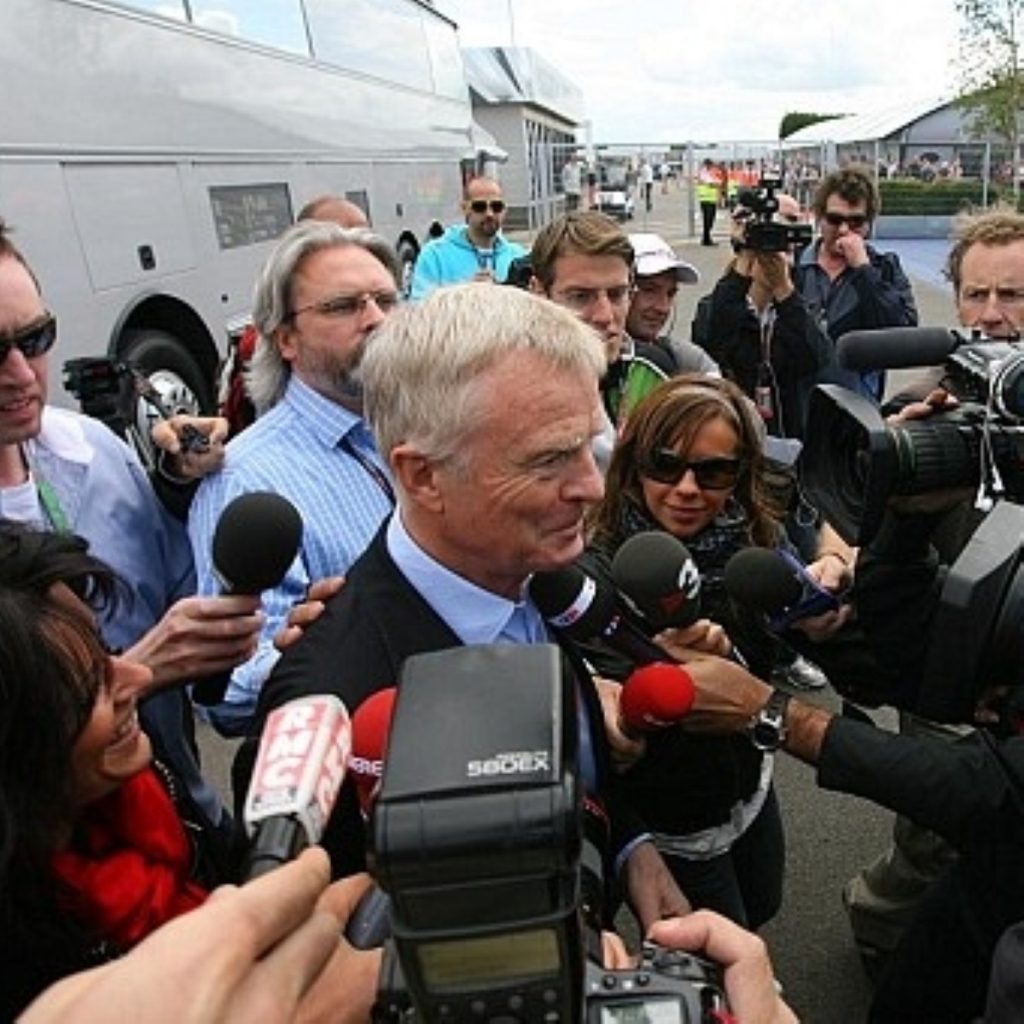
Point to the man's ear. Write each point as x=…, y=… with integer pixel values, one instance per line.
x=284, y=339
x=418, y=477
x=536, y=287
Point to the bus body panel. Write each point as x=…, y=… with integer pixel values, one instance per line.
x=148, y=164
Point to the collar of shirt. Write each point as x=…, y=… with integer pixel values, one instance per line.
x=327, y=419
x=475, y=615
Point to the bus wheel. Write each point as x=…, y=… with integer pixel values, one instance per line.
x=407, y=253
x=174, y=374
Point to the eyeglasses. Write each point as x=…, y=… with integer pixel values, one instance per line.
x=668, y=467
x=580, y=299
x=483, y=205
x=854, y=220
x=34, y=340
x=345, y=307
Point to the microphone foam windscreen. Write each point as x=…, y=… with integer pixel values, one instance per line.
x=256, y=539
x=656, y=696
x=894, y=348
x=657, y=572
x=760, y=579
x=371, y=724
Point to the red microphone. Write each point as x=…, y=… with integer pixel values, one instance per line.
x=370, y=924
x=655, y=696
x=371, y=723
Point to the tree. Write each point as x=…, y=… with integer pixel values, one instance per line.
x=991, y=84
x=795, y=120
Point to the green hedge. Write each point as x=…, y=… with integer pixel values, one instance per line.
x=907, y=196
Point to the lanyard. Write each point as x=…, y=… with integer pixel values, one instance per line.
x=48, y=499
x=371, y=467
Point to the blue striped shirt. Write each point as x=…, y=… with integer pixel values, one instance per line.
x=303, y=450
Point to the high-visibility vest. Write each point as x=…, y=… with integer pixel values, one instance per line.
x=707, y=187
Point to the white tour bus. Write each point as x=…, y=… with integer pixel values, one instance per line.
x=151, y=150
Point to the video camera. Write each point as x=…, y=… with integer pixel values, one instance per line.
x=480, y=837
x=853, y=462
x=762, y=233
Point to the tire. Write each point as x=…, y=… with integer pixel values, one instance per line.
x=407, y=253
x=175, y=375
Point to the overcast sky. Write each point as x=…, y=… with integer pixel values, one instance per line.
x=678, y=70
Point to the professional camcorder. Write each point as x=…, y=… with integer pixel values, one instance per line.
x=853, y=461
x=762, y=233
x=481, y=838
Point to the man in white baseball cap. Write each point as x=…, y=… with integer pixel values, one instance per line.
x=658, y=275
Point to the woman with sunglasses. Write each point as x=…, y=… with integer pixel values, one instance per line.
x=689, y=462
x=99, y=844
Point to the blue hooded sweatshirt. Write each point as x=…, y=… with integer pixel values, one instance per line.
x=453, y=258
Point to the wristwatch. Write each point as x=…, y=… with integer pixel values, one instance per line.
x=768, y=727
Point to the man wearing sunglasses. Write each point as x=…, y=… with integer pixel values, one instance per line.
x=847, y=284
x=65, y=472
x=474, y=251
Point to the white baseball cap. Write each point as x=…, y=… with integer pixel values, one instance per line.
x=653, y=255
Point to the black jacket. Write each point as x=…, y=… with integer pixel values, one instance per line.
x=356, y=648
x=799, y=349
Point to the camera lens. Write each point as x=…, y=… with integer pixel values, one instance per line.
x=1009, y=388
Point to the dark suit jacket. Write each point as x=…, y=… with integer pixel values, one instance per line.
x=356, y=648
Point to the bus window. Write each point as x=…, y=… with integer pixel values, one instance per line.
x=276, y=23
x=383, y=38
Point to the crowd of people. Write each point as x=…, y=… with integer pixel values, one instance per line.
x=441, y=452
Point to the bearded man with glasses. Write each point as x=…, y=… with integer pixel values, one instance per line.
x=321, y=292
x=847, y=284
x=473, y=251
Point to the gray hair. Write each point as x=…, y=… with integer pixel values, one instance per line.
x=421, y=364
x=268, y=373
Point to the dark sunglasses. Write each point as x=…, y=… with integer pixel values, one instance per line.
x=837, y=220
x=483, y=205
x=667, y=467
x=34, y=340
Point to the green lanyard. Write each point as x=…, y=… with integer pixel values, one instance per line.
x=48, y=499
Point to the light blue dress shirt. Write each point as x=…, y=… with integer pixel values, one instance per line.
x=477, y=616
x=322, y=458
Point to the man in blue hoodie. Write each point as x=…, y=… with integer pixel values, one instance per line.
x=476, y=250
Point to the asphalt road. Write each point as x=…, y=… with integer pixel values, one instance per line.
x=829, y=836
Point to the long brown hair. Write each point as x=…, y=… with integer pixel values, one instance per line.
x=670, y=417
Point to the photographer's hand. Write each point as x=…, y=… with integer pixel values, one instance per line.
x=772, y=270
x=184, y=459
x=652, y=891
x=749, y=979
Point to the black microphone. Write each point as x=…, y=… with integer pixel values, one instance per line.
x=256, y=539
x=895, y=348
x=657, y=574
x=579, y=607
x=776, y=584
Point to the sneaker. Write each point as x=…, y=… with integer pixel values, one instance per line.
x=800, y=674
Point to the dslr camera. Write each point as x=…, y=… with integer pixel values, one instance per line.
x=490, y=855
x=762, y=232
x=853, y=462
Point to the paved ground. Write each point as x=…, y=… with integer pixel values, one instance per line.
x=829, y=836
